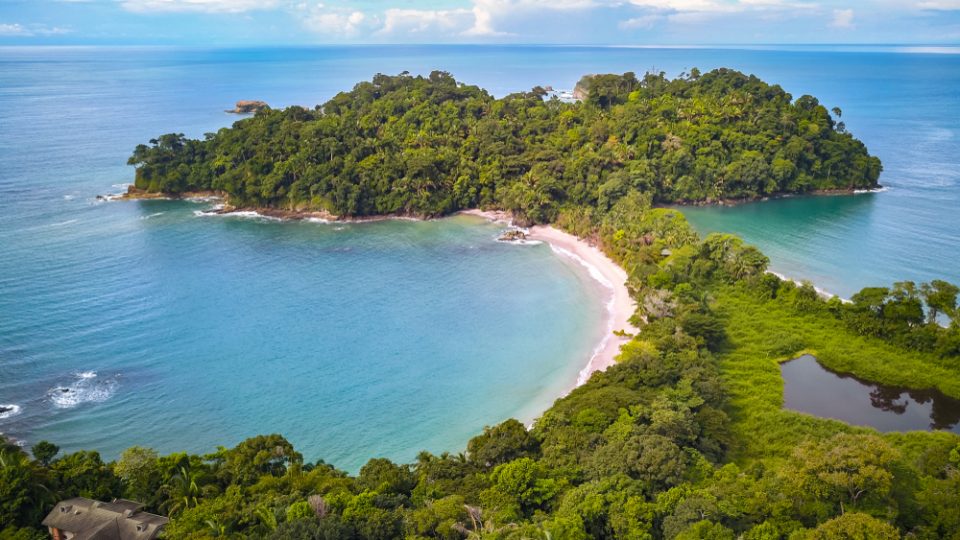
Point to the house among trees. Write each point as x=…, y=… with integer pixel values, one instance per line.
x=86, y=519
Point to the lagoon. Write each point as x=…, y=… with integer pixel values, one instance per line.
x=810, y=388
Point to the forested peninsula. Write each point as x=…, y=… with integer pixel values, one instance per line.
x=685, y=437
x=429, y=146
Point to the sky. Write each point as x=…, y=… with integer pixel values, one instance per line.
x=593, y=22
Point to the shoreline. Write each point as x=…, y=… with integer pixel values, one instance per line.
x=618, y=303
x=839, y=192
x=823, y=293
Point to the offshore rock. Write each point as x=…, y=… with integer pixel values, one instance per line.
x=248, y=106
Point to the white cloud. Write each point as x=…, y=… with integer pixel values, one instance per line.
x=335, y=21
x=14, y=29
x=482, y=23
x=51, y=31
x=205, y=6
x=940, y=5
x=716, y=6
x=699, y=12
x=426, y=21
x=645, y=22
x=842, y=18
x=487, y=13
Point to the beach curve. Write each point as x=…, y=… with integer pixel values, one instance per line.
x=619, y=305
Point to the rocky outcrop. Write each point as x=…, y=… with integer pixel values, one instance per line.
x=135, y=193
x=512, y=235
x=249, y=106
x=582, y=90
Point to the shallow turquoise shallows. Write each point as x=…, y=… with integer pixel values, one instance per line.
x=145, y=323
x=182, y=332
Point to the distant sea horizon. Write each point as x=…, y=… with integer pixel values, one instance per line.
x=184, y=332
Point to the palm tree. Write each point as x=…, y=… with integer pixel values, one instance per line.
x=479, y=529
x=21, y=485
x=268, y=519
x=217, y=529
x=182, y=492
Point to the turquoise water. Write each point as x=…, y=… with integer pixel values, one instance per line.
x=184, y=332
x=906, y=108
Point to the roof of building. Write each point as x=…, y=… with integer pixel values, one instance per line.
x=97, y=520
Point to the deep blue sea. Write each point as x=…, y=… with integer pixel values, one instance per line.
x=183, y=332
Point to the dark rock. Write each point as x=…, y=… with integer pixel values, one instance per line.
x=512, y=235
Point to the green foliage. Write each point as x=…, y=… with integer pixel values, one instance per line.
x=24, y=533
x=706, y=530
x=84, y=474
x=261, y=455
x=44, y=452
x=502, y=443
x=431, y=145
x=853, y=526
x=23, y=489
x=520, y=487
x=907, y=314
x=685, y=437
x=844, y=472
x=383, y=476
x=300, y=510
x=139, y=469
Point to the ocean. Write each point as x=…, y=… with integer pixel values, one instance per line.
x=180, y=331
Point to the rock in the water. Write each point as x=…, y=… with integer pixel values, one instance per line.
x=249, y=106
x=513, y=235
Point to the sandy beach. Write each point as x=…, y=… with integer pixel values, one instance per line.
x=587, y=258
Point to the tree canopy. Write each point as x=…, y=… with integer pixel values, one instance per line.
x=685, y=437
x=431, y=145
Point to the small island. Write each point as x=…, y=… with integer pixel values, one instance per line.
x=431, y=146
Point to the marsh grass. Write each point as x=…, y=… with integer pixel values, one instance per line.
x=763, y=333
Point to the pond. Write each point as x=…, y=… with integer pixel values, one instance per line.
x=813, y=389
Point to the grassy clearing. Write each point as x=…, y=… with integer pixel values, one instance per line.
x=763, y=333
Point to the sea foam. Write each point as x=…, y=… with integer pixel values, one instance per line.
x=590, y=368
x=248, y=214
x=610, y=305
x=86, y=387
x=882, y=189
x=8, y=410
x=594, y=272
x=517, y=241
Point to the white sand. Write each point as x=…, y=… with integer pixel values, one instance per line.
x=619, y=305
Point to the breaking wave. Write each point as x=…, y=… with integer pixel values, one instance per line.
x=9, y=409
x=86, y=387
